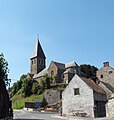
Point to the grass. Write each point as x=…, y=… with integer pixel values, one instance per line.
x=18, y=100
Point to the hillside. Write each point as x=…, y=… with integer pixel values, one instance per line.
x=18, y=100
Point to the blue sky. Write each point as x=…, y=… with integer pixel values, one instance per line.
x=69, y=30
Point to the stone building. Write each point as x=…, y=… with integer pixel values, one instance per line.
x=109, y=89
x=64, y=72
x=37, y=60
x=106, y=74
x=71, y=69
x=83, y=97
x=56, y=68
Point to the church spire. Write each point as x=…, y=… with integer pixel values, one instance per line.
x=38, y=51
x=37, y=59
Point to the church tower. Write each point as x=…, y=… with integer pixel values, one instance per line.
x=37, y=60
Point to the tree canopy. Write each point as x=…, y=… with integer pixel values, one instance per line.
x=88, y=70
x=4, y=69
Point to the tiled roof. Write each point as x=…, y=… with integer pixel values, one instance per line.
x=107, y=85
x=60, y=65
x=40, y=74
x=70, y=64
x=93, y=85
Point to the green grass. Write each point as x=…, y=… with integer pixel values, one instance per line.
x=18, y=101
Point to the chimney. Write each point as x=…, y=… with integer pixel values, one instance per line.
x=106, y=64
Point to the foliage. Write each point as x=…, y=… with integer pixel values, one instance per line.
x=27, y=87
x=35, y=87
x=54, y=77
x=23, y=77
x=88, y=70
x=47, y=81
x=4, y=69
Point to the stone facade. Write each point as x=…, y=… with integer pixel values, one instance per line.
x=85, y=100
x=37, y=60
x=110, y=98
x=53, y=96
x=56, y=68
x=110, y=107
x=106, y=73
x=70, y=70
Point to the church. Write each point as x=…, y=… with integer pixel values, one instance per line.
x=64, y=72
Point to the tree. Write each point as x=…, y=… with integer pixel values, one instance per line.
x=4, y=69
x=88, y=70
x=4, y=97
x=54, y=77
x=35, y=87
x=47, y=81
x=27, y=87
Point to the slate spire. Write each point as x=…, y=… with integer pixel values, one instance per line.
x=37, y=59
x=38, y=51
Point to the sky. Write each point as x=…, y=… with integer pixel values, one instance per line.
x=69, y=30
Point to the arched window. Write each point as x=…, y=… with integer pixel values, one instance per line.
x=52, y=73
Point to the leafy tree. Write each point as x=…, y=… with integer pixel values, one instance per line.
x=35, y=87
x=88, y=70
x=23, y=77
x=14, y=88
x=4, y=69
x=27, y=87
x=54, y=77
x=47, y=81
x=42, y=84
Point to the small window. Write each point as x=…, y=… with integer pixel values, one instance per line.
x=76, y=91
x=101, y=76
x=110, y=72
x=34, y=61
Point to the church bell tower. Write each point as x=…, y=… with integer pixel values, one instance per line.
x=37, y=61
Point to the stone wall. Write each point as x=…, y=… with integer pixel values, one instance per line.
x=52, y=96
x=110, y=108
x=82, y=102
